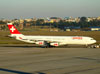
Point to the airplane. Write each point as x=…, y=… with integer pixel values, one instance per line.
x=49, y=41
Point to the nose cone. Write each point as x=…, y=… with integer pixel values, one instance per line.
x=94, y=41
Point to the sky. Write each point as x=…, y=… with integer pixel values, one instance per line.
x=11, y=9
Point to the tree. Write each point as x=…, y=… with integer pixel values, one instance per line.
x=40, y=21
x=83, y=19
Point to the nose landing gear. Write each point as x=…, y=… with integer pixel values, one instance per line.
x=94, y=46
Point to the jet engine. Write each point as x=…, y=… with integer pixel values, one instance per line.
x=40, y=42
x=54, y=44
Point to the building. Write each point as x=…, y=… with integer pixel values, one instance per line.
x=70, y=19
x=28, y=24
x=90, y=19
x=94, y=28
x=55, y=19
x=28, y=20
x=71, y=28
x=98, y=18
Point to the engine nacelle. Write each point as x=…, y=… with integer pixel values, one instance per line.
x=40, y=42
x=54, y=44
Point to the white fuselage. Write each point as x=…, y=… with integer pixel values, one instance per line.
x=62, y=40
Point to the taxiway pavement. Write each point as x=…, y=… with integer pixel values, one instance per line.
x=32, y=60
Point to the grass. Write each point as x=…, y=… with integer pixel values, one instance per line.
x=4, y=39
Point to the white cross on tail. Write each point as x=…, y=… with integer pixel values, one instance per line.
x=12, y=29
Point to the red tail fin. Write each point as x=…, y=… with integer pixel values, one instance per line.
x=12, y=29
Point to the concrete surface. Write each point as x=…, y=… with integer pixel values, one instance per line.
x=35, y=60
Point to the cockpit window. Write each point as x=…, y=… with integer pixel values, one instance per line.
x=92, y=39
